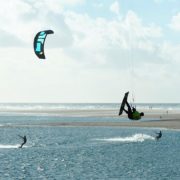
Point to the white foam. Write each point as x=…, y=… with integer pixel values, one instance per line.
x=40, y=168
x=134, y=138
x=8, y=146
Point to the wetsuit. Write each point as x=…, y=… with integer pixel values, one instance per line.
x=159, y=135
x=136, y=115
x=132, y=113
x=24, y=141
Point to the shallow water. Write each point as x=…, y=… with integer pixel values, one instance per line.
x=86, y=152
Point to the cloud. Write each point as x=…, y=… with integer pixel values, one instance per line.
x=82, y=30
x=175, y=22
x=134, y=25
x=103, y=42
x=170, y=52
x=10, y=40
x=29, y=17
x=115, y=8
x=90, y=41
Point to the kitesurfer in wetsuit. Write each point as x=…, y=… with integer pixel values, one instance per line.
x=24, y=140
x=158, y=135
x=132, y=112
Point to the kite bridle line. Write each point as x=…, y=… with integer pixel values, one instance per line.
x=131, y=68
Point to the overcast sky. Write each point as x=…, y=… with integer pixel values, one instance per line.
x=99, y=50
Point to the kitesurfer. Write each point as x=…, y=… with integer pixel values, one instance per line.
x=132, y=112
x=158, y=135
x=24, y=140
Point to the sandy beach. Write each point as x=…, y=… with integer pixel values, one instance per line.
x=152, y=118
x=168, y=123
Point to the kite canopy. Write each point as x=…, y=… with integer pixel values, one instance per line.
x=39, y=41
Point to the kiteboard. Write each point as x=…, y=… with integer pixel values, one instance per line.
x=123, y=103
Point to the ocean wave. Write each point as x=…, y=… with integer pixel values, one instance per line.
x=17, y=107
x=54, y=106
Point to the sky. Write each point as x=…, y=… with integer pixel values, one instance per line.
x=99, y=50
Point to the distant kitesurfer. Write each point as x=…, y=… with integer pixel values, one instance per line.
x=24, y=140
x=132, y=113
x=158, y=135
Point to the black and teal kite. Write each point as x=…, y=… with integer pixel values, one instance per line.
x=39, y=41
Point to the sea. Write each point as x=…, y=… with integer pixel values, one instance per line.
x=87, y=153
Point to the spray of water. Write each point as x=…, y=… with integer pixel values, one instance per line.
x=133, y=138
x=8, y=146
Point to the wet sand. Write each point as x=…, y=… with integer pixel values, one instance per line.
x=169, y=124
x=152, y=118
